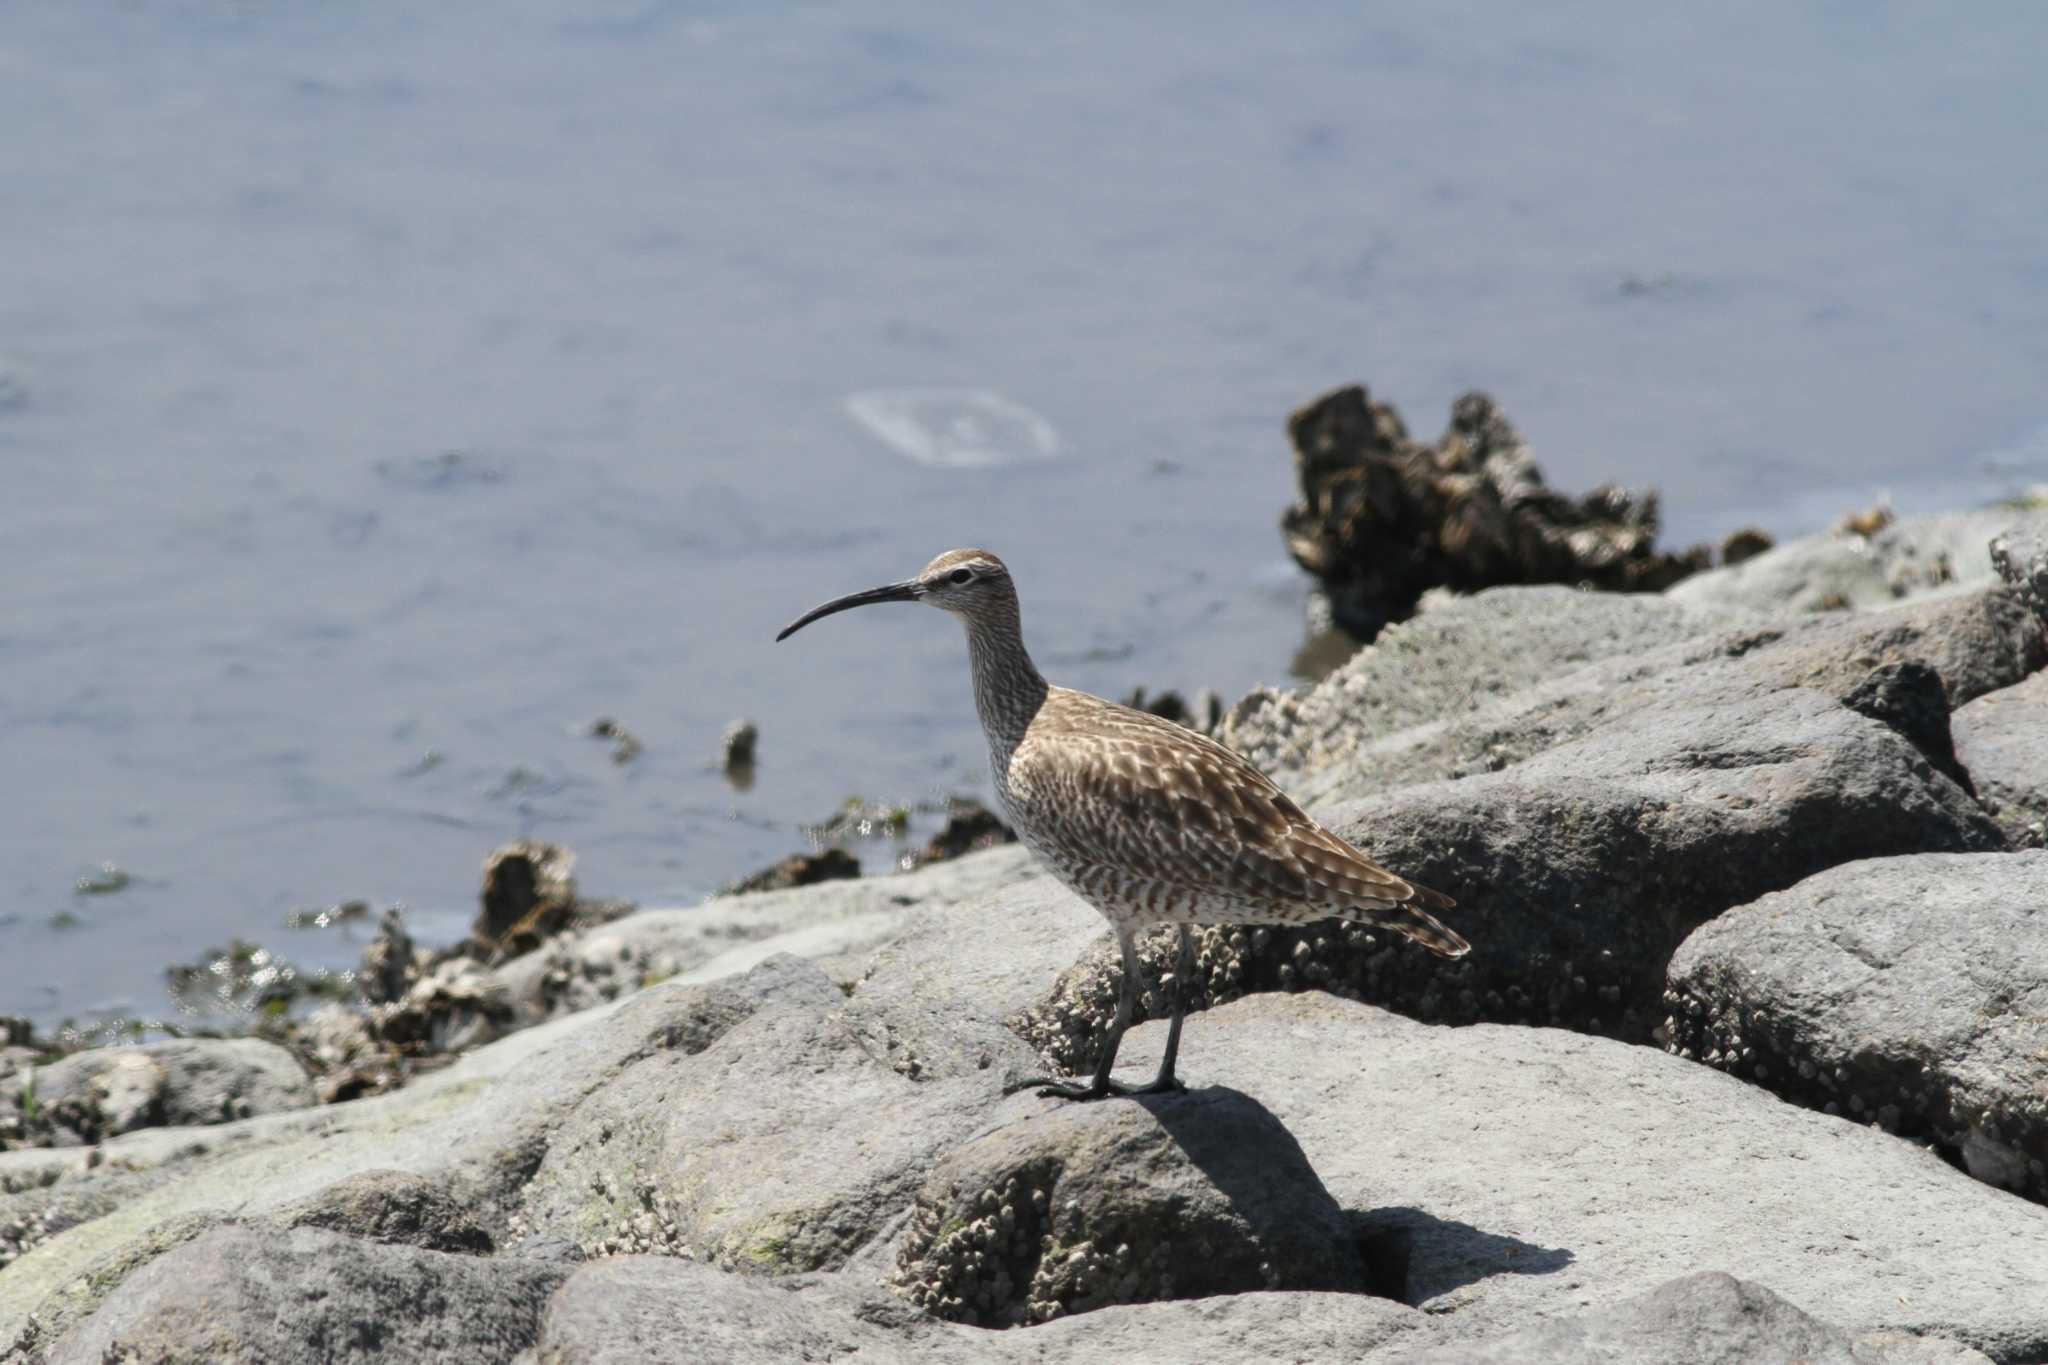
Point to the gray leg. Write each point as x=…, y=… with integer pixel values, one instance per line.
x=1126, y=1006
x=1183, y=969
x=1101, y=1086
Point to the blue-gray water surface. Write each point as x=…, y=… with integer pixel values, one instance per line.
x=388, y=390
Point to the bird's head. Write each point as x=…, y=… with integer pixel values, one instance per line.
x=972, y=584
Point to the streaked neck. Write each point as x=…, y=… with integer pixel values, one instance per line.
x=1008, y=689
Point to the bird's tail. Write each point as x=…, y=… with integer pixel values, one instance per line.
x=1408, y=917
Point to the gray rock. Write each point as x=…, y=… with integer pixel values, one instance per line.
x=108, y=1091
x=1702, y=1319
x=614, y=960
x=1496, y=1176
x=1070, y=1208
x=1817, y=573
x=1976, y=642
x=1842, y=570
x=646, y=1310
x=1907, y=992
x=305, y=1294
x=784, y=1146
x=1523, y=1176
x=1537, y=1172
x=2002, y=740
x=393, y=1206
x=1454, y=659
x=479, y=1126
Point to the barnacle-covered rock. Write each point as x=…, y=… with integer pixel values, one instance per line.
x=1083, y=1206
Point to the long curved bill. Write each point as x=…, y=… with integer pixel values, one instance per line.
x=893, y=592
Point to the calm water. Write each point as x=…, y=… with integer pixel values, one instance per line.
x=398, y=380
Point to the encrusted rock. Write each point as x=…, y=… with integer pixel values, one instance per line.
x=457, y=1006
x=1079, y=1207
x=1909, y=992
x=529, y=892
x=345, y=1055
x=1382, y=518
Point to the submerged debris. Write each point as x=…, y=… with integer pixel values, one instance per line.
x=798, y=869
x=736, y=747
x=103, y=881
x=347, y=912
x=1383, y=518
x=625, y=746
x=860, y=818
x=969, y=826
x=1201, y=715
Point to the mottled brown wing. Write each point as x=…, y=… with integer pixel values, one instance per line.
x=1171, y=806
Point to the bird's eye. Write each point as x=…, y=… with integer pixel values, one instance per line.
x=961, y=575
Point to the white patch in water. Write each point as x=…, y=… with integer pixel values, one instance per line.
x=953, y=428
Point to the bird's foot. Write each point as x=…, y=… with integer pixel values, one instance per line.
x=1053, y=1089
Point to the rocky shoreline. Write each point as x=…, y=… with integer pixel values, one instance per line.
x=1747, y=1061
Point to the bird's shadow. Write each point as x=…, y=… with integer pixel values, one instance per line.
x=1410, y=1255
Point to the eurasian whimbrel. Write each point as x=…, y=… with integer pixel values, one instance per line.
x=1150, y=823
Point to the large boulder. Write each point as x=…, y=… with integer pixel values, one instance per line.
x=1332, y=744
x=1525, y=1174
x=1907, y=992
x=1483, y=1163
x=786, y=1145
x=308, y=1295
x=1070, y=1208
x=2001, y=739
